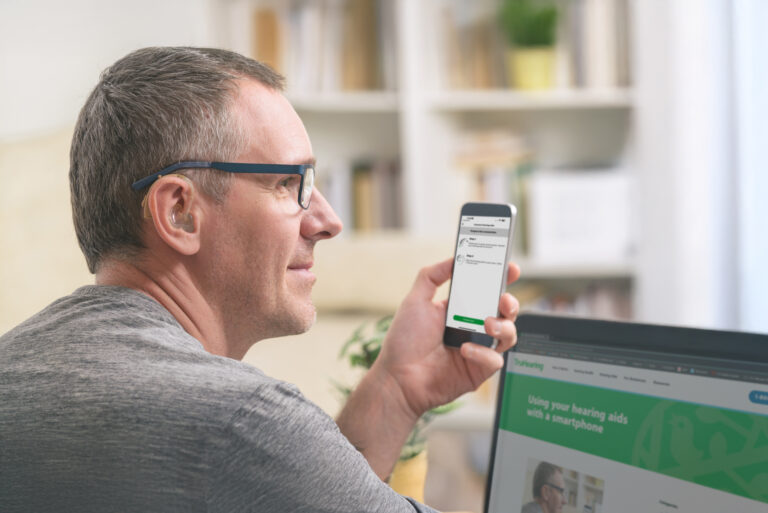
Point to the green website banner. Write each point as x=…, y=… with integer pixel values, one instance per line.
x=718, y=448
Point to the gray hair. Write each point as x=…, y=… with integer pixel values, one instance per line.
x=541, y=476
x=153, y=107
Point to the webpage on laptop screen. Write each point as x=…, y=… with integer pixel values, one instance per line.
x=629, y=432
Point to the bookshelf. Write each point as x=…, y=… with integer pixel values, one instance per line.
x=349, y=102
x=506, y=100
x=413, y=114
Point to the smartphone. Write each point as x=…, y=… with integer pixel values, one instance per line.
x=480, y=268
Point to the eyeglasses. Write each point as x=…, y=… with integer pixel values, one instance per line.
x=306, y=171
x=558, y=488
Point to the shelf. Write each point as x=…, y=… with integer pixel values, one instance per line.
x=373, y=272
x=345, y=101
x=609, y=269
x=458, y=101
x=494, y=100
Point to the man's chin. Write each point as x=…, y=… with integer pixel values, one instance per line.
x=308, y=320
x=303, y=319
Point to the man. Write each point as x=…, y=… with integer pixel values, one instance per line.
x=128, y=395
x=548, y=490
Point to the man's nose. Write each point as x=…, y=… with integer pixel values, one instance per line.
x=320, y=221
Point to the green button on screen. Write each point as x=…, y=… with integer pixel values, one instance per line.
x=470, y=320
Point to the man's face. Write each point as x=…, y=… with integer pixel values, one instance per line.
x=554, y=499
x=261, y=240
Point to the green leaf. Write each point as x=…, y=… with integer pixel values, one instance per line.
x=383, y=324
x=356, y=360
x=446, y=408
x=361, y=350
x=411, y=451
x=529, y=22
x=355, y=338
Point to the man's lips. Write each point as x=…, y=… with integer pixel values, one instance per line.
x=301, y=267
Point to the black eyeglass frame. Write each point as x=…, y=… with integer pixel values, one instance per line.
x=558, y=488
x=234, y=167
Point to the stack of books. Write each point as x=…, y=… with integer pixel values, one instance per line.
x=327, y=45
x=366, y=193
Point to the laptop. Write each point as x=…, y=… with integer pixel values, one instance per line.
x=598, y=417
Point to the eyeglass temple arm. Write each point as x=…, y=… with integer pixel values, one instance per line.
x=149, y=180
x=232, y=167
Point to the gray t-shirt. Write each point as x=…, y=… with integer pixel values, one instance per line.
x=107, y=404
x=531, y=507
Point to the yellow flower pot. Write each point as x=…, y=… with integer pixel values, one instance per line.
x=532, y=68
x=409, y=476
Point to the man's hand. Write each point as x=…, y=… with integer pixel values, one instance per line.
x=429, y=373
x=415, y=371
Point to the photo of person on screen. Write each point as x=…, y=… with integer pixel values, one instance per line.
x=548, y=490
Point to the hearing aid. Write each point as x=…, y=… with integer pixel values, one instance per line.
x=182, y=220
x=178, y=218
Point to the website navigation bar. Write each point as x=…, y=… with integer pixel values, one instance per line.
x=662, y=362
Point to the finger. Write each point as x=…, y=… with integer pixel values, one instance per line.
x=484, y=359
x=431, y=277
x=503, y=330
x=509, y=306
x=514, y=273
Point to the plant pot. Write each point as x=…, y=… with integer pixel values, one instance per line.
x=409, y=476
x=531, y=68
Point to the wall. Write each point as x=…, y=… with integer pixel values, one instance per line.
x=51, y=54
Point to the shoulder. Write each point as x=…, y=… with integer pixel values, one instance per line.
x=300, y=459
x=531, y=507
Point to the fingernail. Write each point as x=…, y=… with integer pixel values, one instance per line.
x=496, y=327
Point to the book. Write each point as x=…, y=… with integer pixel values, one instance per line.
x=332, y=45
x=387, y=197
x=307, y=34
x=387, y=44
x=360, y=55
x=574, y=13
x=327, y=45
x=335, y=183
x=267, y=36
x=470, y=44
x=623, y=43
x=599, y=31
x=362, y=197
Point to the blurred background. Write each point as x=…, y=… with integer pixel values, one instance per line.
x=629, y=133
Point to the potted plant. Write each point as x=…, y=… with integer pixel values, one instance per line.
x=530, y=26
x=410, y=472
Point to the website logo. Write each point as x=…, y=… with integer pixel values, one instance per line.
x=531, y=365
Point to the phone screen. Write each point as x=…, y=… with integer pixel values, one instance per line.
x=478, y=271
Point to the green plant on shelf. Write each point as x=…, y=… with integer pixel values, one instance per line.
x=360, y=351
x=529, y=23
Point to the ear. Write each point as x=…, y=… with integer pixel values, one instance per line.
x=176, y=214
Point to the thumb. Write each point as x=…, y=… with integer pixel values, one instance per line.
x=485, y=360
x=431, y=277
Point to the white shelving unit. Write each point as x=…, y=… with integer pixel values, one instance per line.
x=418, y=124
x=346, y=102
x=662, y=130
x=505, y=100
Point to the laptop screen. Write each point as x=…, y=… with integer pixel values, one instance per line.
x=597, y=417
